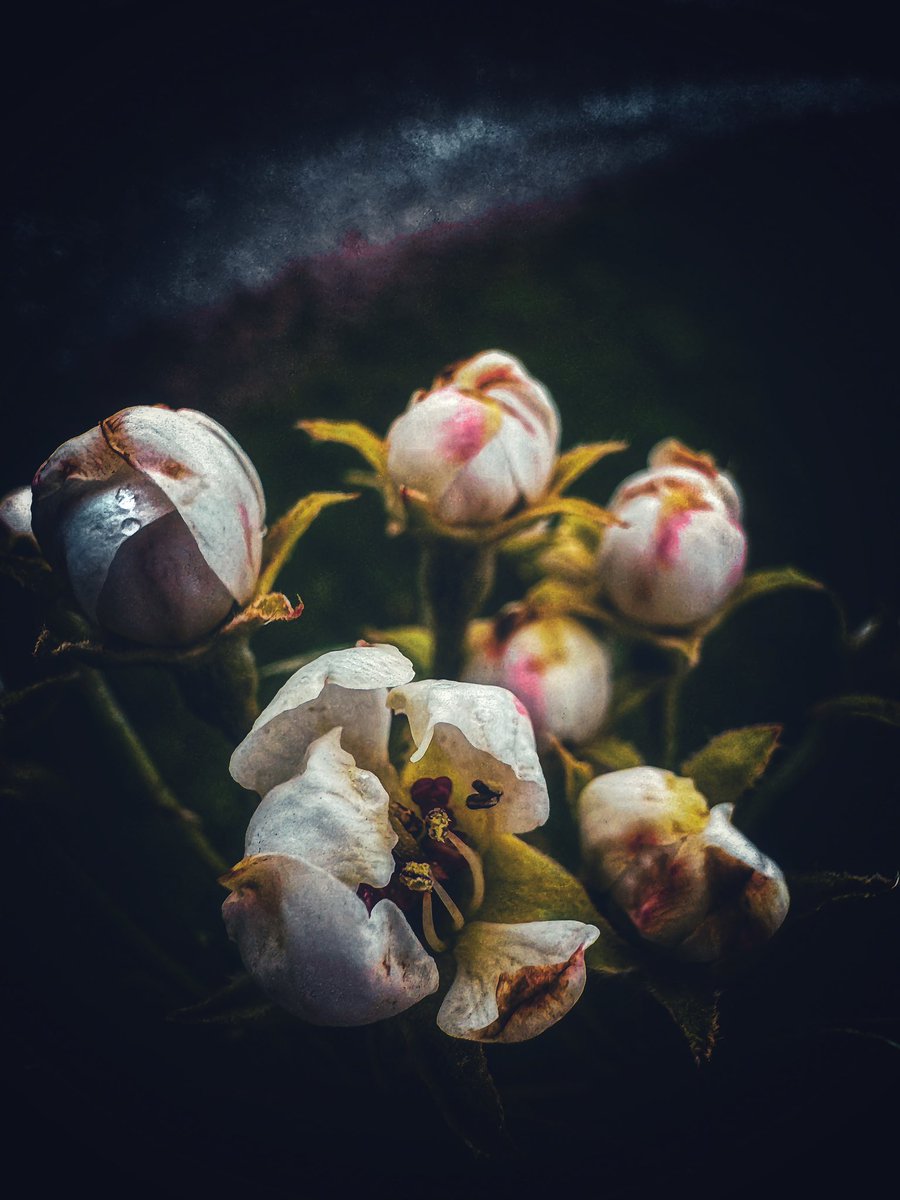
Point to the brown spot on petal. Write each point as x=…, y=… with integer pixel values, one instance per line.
x=141, y=459
x=673, y=453
x=532, y=998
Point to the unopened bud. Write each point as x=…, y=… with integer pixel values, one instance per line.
x=481, y=441
x=686, y=878
x=681, y=549
x=557, y=669
x=156, y=518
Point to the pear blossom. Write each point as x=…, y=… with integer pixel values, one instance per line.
x=686, y=878
x=681, y=548
x=482, y=440
x=355, y=877
x=156, y=517
x=556, y=667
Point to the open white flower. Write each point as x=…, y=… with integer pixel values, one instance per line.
x=156, y=518
x=355, y=877
x=482, y=440
x=686, y=878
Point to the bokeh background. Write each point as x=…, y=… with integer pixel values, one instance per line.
x=682, y=217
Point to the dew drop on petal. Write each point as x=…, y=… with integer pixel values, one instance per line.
x=130, y=525
x=125, y=498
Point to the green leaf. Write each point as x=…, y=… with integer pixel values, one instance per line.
x=732, y=762
x=763, y=583
x=455, y=1071
x=415, y=641
x=612, y=753
x=571, y=465
x=240, y=1003
x=693, y=1005
x=283, y=536
x=349, y=433
x=869, y=708
x=812, y=891
x=526, y=885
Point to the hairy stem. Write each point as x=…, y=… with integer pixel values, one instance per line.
x=455, y=578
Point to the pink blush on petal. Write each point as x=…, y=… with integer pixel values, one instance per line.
x=524, y=680
x=668, y=539
x=464, y=434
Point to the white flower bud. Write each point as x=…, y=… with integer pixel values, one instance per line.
x=481, y=441
x=684, y=876
x=682, y=549
x=156, y=517
x=559, y=671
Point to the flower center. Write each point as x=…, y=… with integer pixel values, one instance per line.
x=430, y=853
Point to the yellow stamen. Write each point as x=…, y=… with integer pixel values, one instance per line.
x=417, y=876
x=474, y=860
x=431, y=936
x=450, y=904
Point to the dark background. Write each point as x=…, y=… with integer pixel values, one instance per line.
x=683, y=218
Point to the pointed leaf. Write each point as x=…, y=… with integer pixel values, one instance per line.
x=572, y=506
x=732, y=762
x=284, y=534
x=456, y=1073
x=240, y=1003
x=812, y=891
x=349, y=433
x=526, y=885
x=415, y=641
x=694, y=1007
x=762, y=583
x=870, y=708
x=571, y=465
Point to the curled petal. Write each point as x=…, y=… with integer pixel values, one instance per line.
x=206, y=476
x=345, y=688
x=334, y=815
x=486, y=734
x=514, y=981
x=308, y=941
x=15, y=518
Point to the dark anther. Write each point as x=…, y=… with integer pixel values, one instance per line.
x=431, y=793
x=484, y=796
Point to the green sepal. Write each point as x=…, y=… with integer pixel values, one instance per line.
x=611, y=753
x=867, y=708
x=526, y=885
x=415, y=641
x=732, y=762
x=577, y=774
x=285, y=533
x=573, y=464
x=349, y=433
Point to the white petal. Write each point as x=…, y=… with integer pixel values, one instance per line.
x=334, y=815
x=207, y=477
x=514, y=981
x=15, y=516
x=485, y=732
x=345, y=688
x=309, y=942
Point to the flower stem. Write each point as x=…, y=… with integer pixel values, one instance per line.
x=671, y=699
x=455, y=578
x=106, y=708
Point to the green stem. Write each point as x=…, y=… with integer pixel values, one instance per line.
x=671, y=699
x=105, y=707
x=455, y=578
